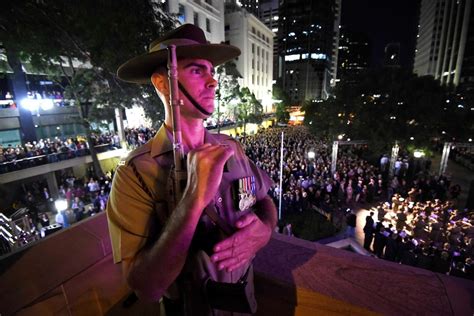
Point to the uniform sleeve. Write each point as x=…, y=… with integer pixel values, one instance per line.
x=129, y=214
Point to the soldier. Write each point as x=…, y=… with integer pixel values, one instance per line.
x=168, y=249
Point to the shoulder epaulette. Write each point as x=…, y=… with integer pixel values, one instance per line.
x=145, y=148
x=222, y=137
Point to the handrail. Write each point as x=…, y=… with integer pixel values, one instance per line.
x=27, y=162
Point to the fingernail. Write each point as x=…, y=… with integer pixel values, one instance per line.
x=221, y=266
x=217, y=248
x=215, y=258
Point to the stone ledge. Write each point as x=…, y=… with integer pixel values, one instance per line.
x=72, y=272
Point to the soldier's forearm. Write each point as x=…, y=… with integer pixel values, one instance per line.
x=156, y=268
x=267, y=212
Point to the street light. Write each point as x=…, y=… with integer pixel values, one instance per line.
x=60, y=204
x=61, y=218
x=418, y=153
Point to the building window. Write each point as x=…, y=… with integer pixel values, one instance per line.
x=253, y=79
x=253, y=30
x=196, y=19
x=208, y=25
x=253, y=48
x=209, y=2
x=10, y=137
x=226, y=27
x=182, y=14
x=253, y=63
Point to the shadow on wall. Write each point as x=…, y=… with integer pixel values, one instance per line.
x=279, y=296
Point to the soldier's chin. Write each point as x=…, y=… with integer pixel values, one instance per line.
x=209, y=107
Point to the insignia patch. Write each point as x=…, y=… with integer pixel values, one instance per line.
x=247, y=193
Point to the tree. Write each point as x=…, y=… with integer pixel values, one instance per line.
x=248, y=109
x=385, y=106
x=283, y=102
x=228, y=89
x=84, y=42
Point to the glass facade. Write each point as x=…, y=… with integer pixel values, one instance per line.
x=10, y=137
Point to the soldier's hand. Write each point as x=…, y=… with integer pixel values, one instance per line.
x=241, y=247
x=205, y=166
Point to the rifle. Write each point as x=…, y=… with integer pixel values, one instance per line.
x=180, y=173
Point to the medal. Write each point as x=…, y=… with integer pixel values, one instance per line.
x=247, y=193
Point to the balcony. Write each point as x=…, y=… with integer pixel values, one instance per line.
x=37, y=165
x=71, y=273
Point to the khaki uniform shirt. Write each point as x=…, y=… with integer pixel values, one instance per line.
x=136, y=219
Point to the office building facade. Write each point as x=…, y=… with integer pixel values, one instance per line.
x=207, y=14
x=354, y=55
x=445, y=42
x=308, y=36
x=255, y=64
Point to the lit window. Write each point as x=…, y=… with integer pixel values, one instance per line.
x=292, y=57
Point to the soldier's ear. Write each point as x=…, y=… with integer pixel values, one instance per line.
x=160, y=82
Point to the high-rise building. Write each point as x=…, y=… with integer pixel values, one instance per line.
x=445, y=42
x=255, y=64
x=252, y=6
x=354, y=54
x=207, y=14
x=392, y=55
x=308, y=36
x=268, y=14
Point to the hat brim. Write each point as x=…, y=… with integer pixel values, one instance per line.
x=139, y=69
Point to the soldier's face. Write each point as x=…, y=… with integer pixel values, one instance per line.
x=197, y=77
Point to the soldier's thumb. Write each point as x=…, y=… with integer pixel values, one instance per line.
x=246, y=220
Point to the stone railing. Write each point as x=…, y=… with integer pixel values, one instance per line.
x=71, y=273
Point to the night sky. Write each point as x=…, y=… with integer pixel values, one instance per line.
x=384, y=21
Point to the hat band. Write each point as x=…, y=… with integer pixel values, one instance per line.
x=174, y=41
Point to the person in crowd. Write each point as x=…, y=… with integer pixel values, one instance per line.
x=44, y=220
x=368, y=231
x=351, y=222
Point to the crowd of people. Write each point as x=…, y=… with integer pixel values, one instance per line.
x=138, y=136
x=51, y=150
x=420, y=225
x=308, y=181
x=84, y=197
x=463, y=156
x=432, y=234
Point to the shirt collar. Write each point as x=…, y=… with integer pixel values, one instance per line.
x=162, y=142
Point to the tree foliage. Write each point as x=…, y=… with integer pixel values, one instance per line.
x=283, y=102
x=228, y=90
x=85, y=42
x=389, y=105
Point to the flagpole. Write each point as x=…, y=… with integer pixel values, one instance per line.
x=281, y=176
